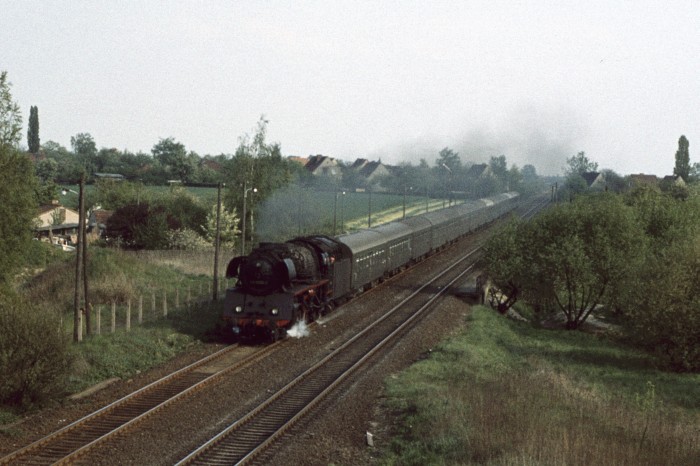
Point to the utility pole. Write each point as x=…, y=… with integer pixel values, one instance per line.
x=77, y=317
x=217, y=242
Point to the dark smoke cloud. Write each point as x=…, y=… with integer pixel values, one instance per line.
x=529, y=135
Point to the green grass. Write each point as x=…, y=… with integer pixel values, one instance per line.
x=124, y=354
x=507, y=393
x=121, y=276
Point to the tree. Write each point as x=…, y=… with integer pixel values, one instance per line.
x=572, y=257
x=17, y=209
x=173, y=156
x=579, y=164
x=449, y=158
x=33, y=140
x=255, y=165
x=682, y=167
x=85, y=151
x=10, y=115
x=228, y=230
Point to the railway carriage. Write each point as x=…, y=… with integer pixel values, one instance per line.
x=280, y=284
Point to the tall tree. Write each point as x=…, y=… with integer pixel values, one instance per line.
x=33, y=140
x=257, y=165
x=85, y=151
x=682, y=167
x=10, y=115
x=579, y=164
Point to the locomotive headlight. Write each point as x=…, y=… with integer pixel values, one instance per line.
x=274, y=311
x=239, y=309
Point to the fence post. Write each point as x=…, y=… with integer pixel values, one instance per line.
x=177, y=298
x=153, y=302
x=80, y=324
x=99, y=320
x=189, y=297
x=128, y=314
x=114, y=316
x=140, y=309
x=165, y=304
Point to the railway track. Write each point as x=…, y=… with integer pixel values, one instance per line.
x=72, y=442
x=75, y=441
x=249, y=437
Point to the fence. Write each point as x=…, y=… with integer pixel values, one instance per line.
x=147, y=308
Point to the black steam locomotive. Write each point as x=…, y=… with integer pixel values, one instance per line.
x=280, y=284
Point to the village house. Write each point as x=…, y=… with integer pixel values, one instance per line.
x=321, y=165
x=56, y=223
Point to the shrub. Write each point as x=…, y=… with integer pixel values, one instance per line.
x=34, y=353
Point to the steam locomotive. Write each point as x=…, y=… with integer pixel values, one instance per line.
x=280, y=284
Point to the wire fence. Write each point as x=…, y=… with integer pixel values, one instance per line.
x=147, y=308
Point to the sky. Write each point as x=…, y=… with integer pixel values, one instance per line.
x=537, y=81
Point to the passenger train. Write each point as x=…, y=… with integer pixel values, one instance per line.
x=280, y=284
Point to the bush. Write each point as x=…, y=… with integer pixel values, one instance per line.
x=34, y=353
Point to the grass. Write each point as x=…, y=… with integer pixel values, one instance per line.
x=504, y=393
x=121, y=276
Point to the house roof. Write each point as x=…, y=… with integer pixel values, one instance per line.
x=359, y=163
x=477, y=170
x=590, y=177
x=369, y=168
x=641, y=178
x=111, y=176
x=315, y=161
x=300, y=160
x=211, y=164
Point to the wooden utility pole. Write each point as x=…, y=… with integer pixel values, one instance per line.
x=83, y=241
x=77, y=318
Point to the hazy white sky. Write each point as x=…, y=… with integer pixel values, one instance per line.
x=535, y=80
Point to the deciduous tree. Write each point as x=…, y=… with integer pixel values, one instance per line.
x=579, y=164
x=10, y=115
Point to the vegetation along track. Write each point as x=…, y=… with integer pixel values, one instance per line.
x=69, y=444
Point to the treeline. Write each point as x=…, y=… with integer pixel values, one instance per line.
x=632, y=256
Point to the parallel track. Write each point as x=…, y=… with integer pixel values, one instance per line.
x=250, y=436
x=282, y=410
x=247, y=438
x=70, y=443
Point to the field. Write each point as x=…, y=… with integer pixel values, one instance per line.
x=506, y=393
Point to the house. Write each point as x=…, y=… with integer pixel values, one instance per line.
x=673, y=180
x=372, y=172
x=479, y=171
x=56, y=220
x=642, y=180
x=321, y=165
x=300, y=160
x=594, y=180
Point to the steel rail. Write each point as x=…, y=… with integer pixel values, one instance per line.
x=78, y=438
